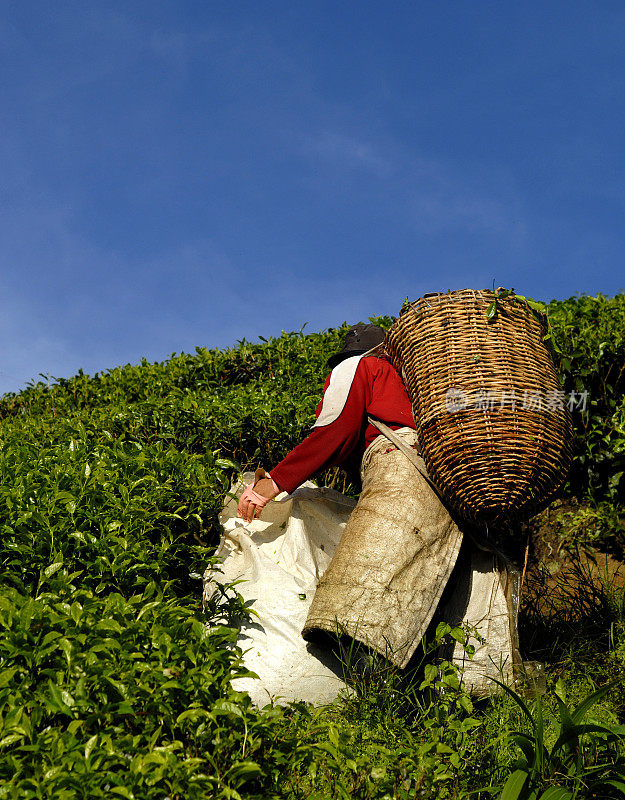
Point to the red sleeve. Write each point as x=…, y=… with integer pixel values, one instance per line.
x=328, y=445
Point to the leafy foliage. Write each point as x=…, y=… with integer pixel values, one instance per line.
x=111, y=683
x=589, y=337
x=585, y=760
x=113, y=680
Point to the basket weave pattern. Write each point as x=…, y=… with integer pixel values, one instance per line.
x=495, y=434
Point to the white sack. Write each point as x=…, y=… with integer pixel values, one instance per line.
x=486, y=603
x=280, y=558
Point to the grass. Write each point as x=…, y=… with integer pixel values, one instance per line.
x=398, y=736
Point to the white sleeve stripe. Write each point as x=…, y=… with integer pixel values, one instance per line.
x=341, y=379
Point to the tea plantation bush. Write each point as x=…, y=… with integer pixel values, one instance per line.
x=590, y=334
x=111, y=682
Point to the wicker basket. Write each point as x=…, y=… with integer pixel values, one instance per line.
x=493, y=423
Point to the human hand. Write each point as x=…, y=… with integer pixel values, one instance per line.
x=255, y=498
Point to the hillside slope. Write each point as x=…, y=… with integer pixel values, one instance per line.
x=110, y=487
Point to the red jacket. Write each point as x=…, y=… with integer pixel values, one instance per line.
x=355, y=389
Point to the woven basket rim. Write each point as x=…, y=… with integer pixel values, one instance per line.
x=454, y=297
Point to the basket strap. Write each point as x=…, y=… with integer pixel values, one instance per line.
x=410, y=454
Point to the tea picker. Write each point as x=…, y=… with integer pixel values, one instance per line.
x=443, y=482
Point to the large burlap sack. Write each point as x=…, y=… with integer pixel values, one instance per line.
x=393, y=561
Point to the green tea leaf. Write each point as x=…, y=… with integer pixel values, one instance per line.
x=52, y=568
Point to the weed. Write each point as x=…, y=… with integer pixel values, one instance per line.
x=586, y=760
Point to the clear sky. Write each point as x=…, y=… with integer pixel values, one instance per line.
x=191, y=173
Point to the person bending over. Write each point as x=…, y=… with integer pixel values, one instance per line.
x=400, y=544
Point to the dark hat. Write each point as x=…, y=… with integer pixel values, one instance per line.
x=359, y=339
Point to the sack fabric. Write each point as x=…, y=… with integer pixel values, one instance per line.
x=394, y=559
x=393, y=563
x=483, y=597
x=275, y=563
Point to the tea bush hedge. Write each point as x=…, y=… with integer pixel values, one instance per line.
x=111, y=682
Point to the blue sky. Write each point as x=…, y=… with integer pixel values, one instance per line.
x=191, y=173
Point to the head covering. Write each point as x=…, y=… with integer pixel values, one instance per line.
x=359, y=339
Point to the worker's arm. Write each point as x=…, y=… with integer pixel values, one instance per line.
x=341, y=420
x=343, y=410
